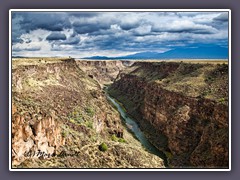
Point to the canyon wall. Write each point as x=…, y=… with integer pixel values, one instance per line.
x=104, y=72
x=181, y=107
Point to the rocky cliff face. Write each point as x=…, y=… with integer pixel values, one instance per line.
x=182, y=108
x=60, y=116
x=34, y=139
x=104, y=72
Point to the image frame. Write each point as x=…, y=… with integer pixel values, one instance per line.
x=116, y=10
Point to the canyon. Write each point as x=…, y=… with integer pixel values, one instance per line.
x=61, y=114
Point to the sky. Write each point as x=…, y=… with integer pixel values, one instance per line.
x=85, y=34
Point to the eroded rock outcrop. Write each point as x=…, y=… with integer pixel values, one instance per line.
x=34, y=139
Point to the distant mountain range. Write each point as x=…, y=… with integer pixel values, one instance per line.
x=214, y=52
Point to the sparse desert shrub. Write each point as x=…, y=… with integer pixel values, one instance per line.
x=71, y=120
x=122, y=140
x=103, y=147
x=114, y=138
x=209, y=79
x=89, y=124
x=221, y=100
x=207, y=92
x=76, y=116
x=94, y=94
x=64, y=134
x=169, y=155
x=89, y=111
x=167, y=81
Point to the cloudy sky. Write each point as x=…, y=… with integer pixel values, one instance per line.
x=82, y=34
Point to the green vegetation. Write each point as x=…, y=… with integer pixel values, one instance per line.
x=82, y=117
x=221, y=100
x=103, y=147
x=116, y=139
x=89, y=124
x=205, y=93
x=89, y=111
x=122, y=140
x=76, y=116
x=71, y=120
x=209, y=79
x=64, y=134
x=169, y=155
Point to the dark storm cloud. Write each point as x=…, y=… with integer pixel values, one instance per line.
x=17, y=30
x=95, y=32
x=74, y=34
x=222, y=17
x=72, y=41
x=24, y=22
x=83, y=14
x=170, y=14
x=189, y=28
x=16, y=39
x=56, y=36
x=185, y=30
x=109, y=43
x=221, y=21
x=44, y=20
x=83, y=28
x=128, y=26
x=143, y=32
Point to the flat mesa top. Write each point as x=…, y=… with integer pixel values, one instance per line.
x=26, y=61
x=43, y=60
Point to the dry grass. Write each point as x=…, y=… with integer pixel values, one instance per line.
x=36, y=61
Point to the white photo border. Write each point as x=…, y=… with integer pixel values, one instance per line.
x=117, y=10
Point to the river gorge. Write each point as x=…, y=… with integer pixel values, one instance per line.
x=132, y=125
x=154, y=114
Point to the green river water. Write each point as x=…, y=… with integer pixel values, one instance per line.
x=134, y=128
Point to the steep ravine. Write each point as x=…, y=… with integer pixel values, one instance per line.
x=181, y=107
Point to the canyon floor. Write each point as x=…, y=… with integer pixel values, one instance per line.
x=61, y=117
